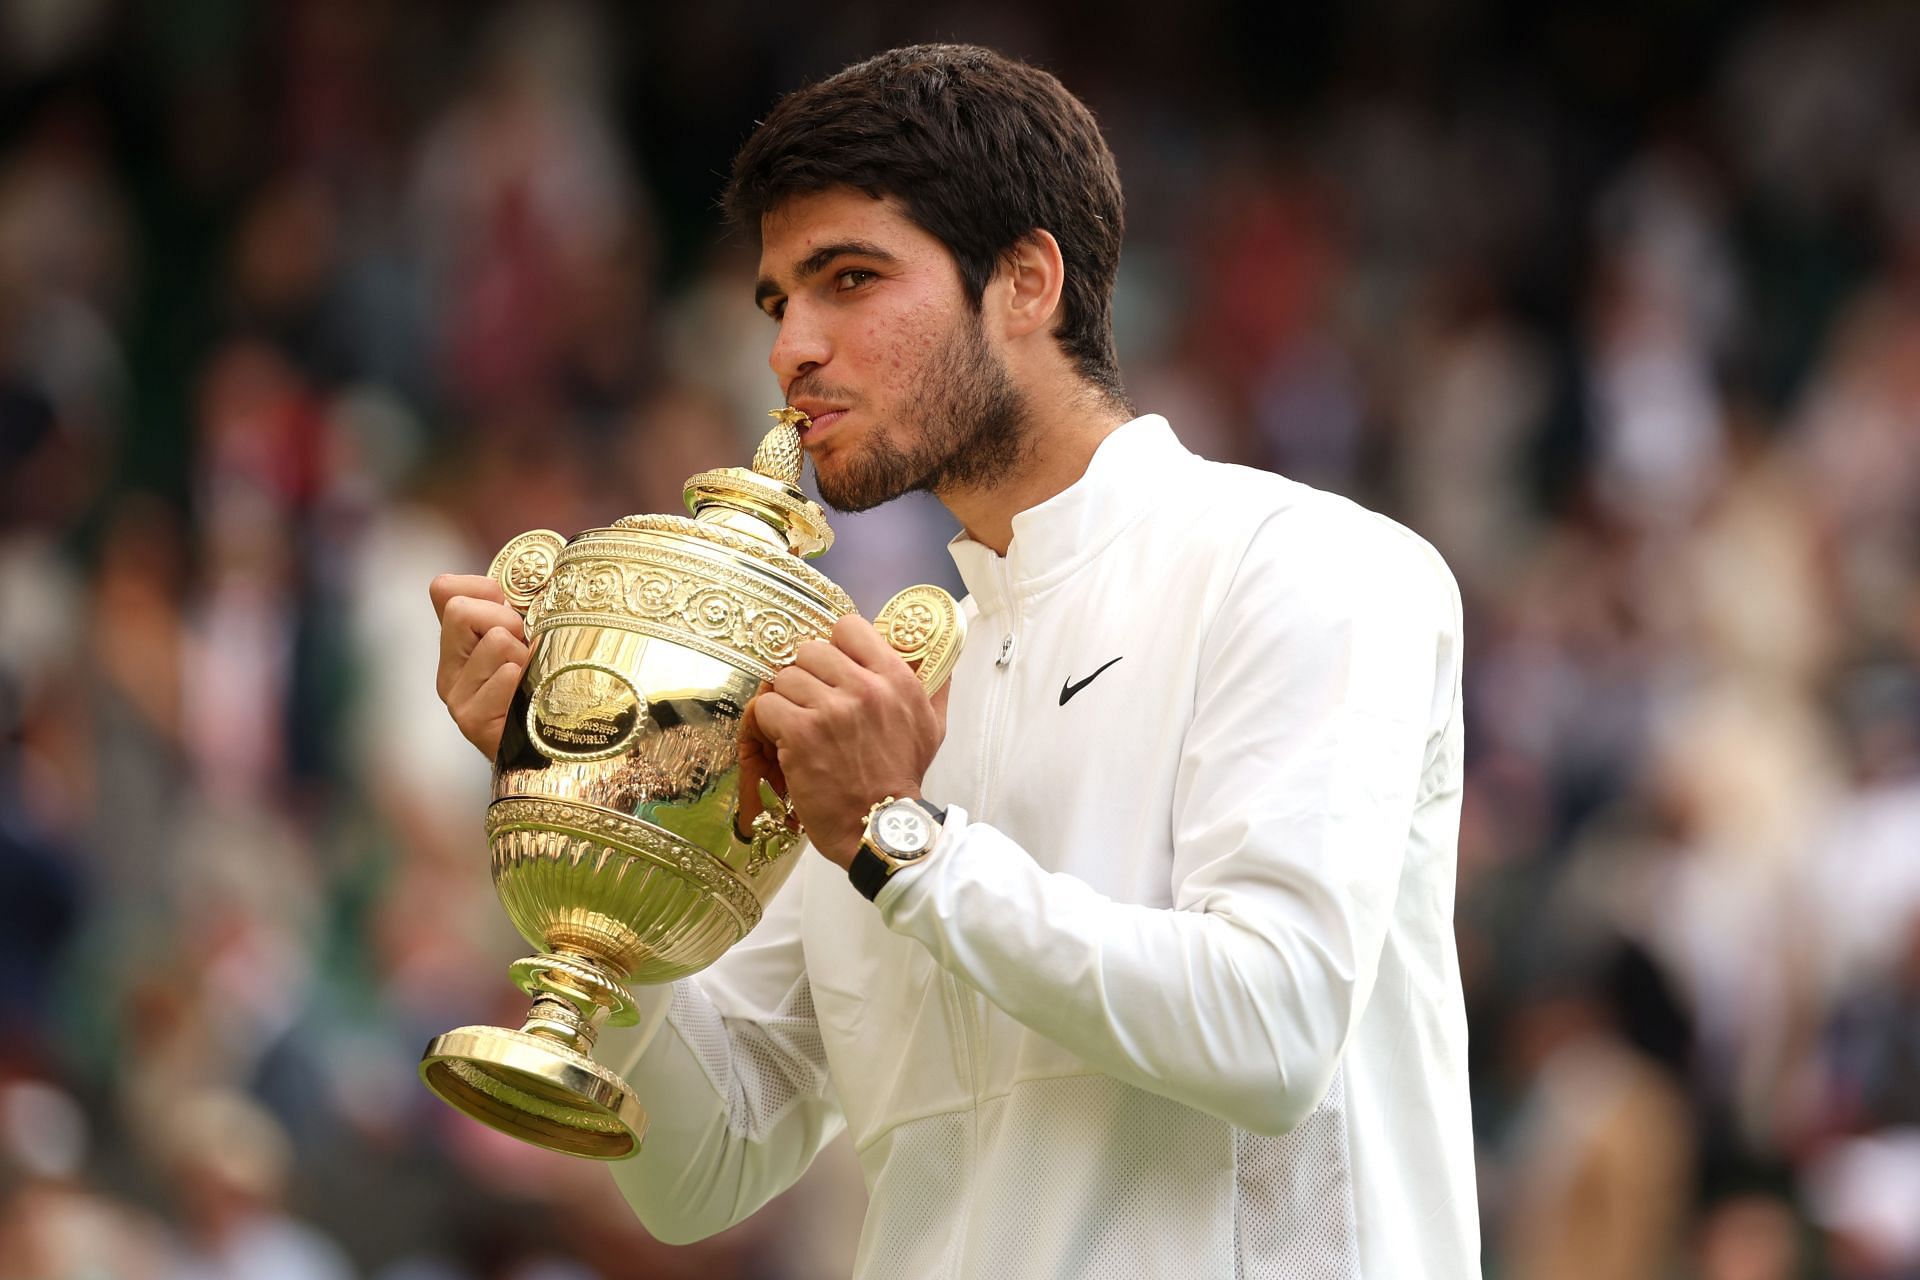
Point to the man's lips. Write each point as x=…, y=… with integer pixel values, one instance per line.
x=818, y=423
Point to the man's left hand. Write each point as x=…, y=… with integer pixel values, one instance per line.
x=848, y=724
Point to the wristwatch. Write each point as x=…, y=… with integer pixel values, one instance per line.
x=900, y=833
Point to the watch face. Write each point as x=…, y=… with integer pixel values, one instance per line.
x=903, y=830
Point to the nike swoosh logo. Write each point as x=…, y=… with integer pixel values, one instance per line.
x=1070, y=688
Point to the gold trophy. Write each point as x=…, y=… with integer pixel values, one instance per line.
x=619, y=844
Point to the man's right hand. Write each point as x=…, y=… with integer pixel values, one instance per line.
x=483, y=651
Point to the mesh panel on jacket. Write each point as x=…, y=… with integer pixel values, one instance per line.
x=760, y=1068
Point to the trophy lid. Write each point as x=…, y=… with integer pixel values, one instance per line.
x=759, y=513
x=765, y=502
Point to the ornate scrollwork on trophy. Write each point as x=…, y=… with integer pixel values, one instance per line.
x=798, y=570
x=688, y=599
x=610, y=833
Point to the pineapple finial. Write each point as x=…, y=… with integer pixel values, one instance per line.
x=778, y=457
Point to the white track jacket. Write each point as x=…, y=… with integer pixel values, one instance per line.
x=1177, y=995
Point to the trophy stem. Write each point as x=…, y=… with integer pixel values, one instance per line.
x=540, y=1083
x=573, y=996
x=560, y=1020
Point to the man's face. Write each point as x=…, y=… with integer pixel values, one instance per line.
x=878, y=346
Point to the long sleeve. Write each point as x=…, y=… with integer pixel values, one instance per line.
x=1324, y=690
x=734, y=1083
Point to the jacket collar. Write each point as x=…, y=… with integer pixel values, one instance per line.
x=1128, y=471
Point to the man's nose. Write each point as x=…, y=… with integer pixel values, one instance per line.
x=801, y=346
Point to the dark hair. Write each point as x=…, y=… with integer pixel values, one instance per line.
x=980, y=150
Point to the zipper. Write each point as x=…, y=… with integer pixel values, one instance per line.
x=1003, y=663
x=967, y=1002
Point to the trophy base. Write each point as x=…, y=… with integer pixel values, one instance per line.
x=537, y=1090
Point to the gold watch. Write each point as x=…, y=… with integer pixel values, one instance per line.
x=899, y=833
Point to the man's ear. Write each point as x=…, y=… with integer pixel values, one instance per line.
x=1035, y=273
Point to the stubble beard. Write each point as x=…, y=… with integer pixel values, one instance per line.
x=973, y=431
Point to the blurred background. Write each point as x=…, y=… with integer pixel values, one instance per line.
x=1617, y=302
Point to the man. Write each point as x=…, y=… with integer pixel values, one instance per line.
x=1153, y=974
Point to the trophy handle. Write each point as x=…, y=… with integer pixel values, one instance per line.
x=524, y=565
x=926, y=627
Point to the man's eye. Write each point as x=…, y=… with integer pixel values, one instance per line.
x=853, y=279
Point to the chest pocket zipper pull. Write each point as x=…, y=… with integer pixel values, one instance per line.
x=1006, y=652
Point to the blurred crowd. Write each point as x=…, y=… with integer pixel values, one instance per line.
x=303, y=303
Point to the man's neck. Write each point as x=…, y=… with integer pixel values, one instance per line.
x=1062, y=438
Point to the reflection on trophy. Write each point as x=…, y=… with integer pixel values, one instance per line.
x=622, y=848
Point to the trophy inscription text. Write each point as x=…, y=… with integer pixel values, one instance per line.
x=584, y=712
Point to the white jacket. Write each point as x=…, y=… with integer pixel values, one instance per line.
x=1177, y=994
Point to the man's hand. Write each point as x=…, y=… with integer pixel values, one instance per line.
x=483, y=650
x=846, y=725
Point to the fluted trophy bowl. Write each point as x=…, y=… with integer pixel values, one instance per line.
x=622, y=846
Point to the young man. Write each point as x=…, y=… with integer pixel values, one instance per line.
x=1152, y=974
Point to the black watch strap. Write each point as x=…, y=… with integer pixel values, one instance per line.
x=868, y=872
